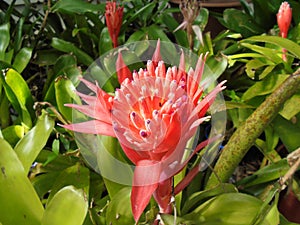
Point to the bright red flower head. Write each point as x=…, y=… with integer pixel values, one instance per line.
x=153, y=114
x=113, y=16
x=284, y=18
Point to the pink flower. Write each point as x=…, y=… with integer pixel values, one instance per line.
x=153, y=114
x=284, y=18
x=113, y=16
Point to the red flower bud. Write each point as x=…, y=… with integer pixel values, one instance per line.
x=113, y=16
x=284, y=18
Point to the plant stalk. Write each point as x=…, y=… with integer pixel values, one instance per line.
x=245, y=135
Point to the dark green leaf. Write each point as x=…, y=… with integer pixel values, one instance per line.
x=22, y=59
x=4, y=39
x=76, y=6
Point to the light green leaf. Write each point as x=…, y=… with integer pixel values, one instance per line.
x=32, y=143
x=68, y=207
x=19, y=201
x=76, y=6
x=22, y=59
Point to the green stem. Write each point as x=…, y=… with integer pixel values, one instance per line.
x=245, y=136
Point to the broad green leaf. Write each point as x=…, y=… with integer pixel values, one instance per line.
x=105, y=43
x=68, y=207
x=119, y=209
x=44, y=182
x=4, y=39
x=69, y=47
x=77, y=175
x=264, y=87
x=287, y=132
x=76, y=6
x=227, y=209
x=199, y=197
x=19, y=201
x=266, y=174
x=19, y=95
x=291, y=107
x=32, y=143
x=240, y=22
x=65, y=93
x=22, y=59
x=291, y=46
x=13, y=134
x=171, y=220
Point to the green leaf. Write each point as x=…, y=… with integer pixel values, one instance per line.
x=32, y=143
x=291, y=107
x=227, y=209
x=4, y=39
x=68, y=206
x=199, y=197
x=13, y=134
x=119, y=209
x=76, y=6
x=65, y=93
x=77, y=175
x=19, y=201
x=288, y=133
x=105, y=42
x=19, y=95
x=240, y=22
x=264, y=87
x=291, y=46
x=22, y=59
x=69, y=47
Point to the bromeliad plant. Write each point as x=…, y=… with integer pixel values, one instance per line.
x=154, y=113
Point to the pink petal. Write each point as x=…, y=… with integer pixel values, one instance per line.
x=156, y=55
x=145, y=182
x=123, y=71
x=92, y=127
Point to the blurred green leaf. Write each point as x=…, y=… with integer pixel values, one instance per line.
x=241, y=22
x=69, y=47
x=288, y=133
x=291, y=107
x=76, y=6
x=266, y=174
x=68, y=206
x=4, y=39
x=32, y=143
x=119, y=209
x=13, y=134
x=264, y=87
x=22, y=59
x=291, y=46
x=19, y=201
x=105, y=42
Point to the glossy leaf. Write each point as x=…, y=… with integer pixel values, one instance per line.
x=77, y=175
x=68, y=206
x=4, y=39
x=32, y=143
x=291, y=46
x=199, y=197
x=119, y=209
x=229, y=208
x=19, y=201
x=22, y=59
x=76, y=6
x=65, y=93
x=240, y=22
x=69, y=47
x=19, y=95
x=13, y=134
x=264, y=87
x=105, y=42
